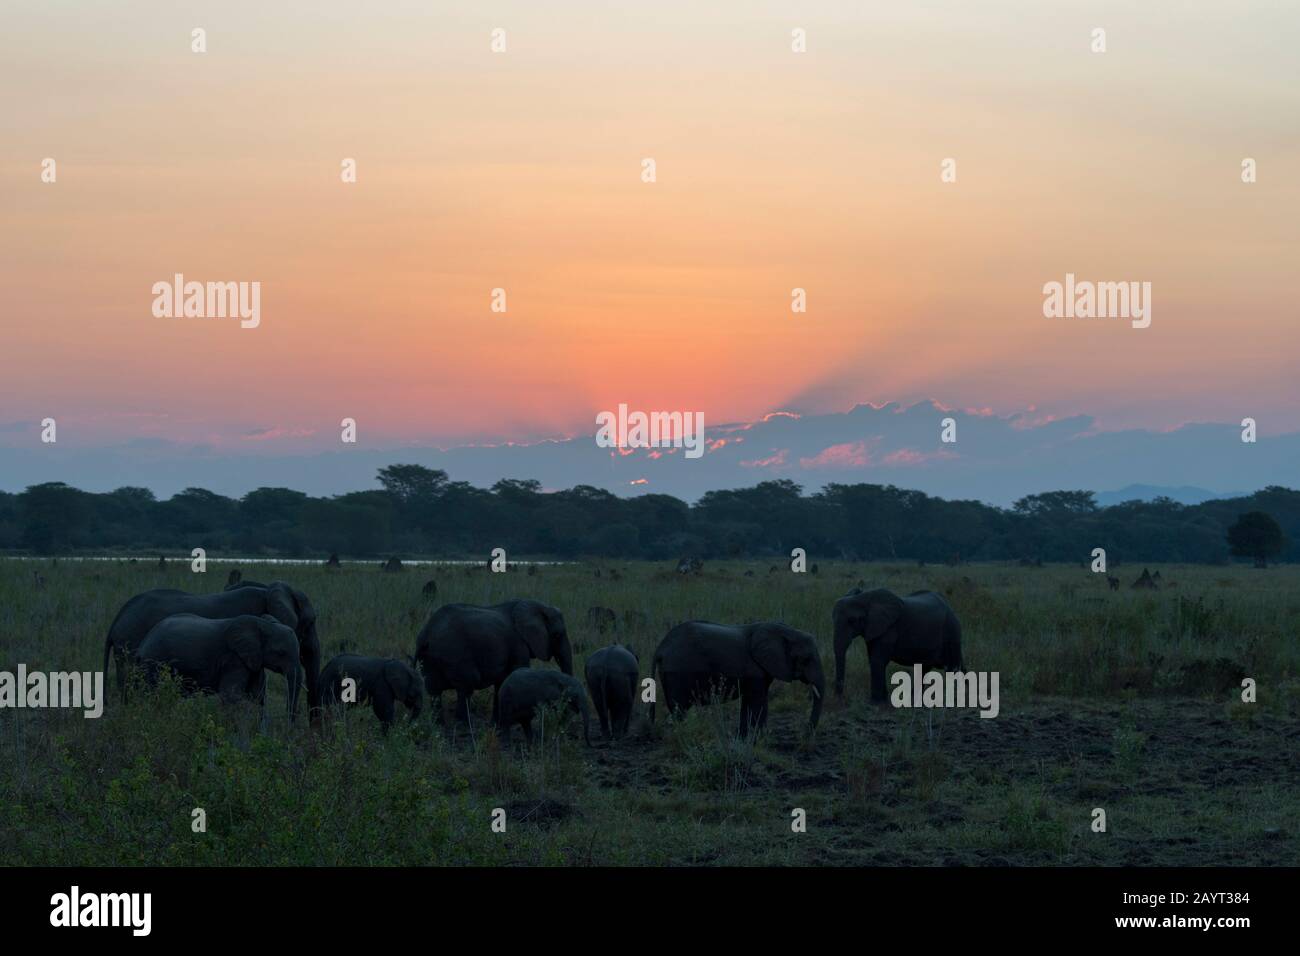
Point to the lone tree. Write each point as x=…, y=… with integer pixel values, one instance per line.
x=1255, y=535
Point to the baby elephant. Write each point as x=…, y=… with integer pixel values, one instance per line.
x=229, y=656
x=612, y=681
x=381, y=680
x=528, y=688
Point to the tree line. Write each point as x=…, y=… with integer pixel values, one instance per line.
x=418, y=511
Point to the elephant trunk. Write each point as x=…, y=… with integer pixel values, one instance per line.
x=818, y=685
x=564, y=654
x=309, y=651
x=843, y=638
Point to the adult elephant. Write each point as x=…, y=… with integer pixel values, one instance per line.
x=227, y=656
x=286, y=604
x=465, y=647
x=698, y=659
x=918, y=629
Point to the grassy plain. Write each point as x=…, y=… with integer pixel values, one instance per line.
x=1129, y=701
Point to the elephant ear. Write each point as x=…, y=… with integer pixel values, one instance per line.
x=770, y=649
x=280, y=604
x=883, y=613
x=530, y=624
x=244, y=639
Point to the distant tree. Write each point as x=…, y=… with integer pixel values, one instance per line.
x=1256, y=535
x=1057, y=502
x=412, y=483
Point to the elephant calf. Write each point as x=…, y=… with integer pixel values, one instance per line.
x=529, y=688
x=612, y=680
x=696, y=660
x=380, y=680
x=229, y=656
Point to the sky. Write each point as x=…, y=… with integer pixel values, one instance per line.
x=522, y=170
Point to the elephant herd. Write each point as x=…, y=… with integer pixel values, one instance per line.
x=225, y=642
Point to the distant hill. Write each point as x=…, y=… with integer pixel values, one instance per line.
x=1183, y=494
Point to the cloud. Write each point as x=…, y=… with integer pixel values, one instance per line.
x=847, y=455
x=997, y=458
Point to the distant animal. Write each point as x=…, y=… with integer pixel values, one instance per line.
x=532, y=570
x=527, y=689
x=333, y=562
x=698, y=659
x=773, y=569
x=749, y=574
x=1156, y=577
x=602, y=618
x=227, y=656
x=918, y=629
x=430, y=588
x=465, y=647
x=393, y=564
x=38, y=580
x=691, y=565
x=1113, y=582
x=611, y=674
x=234, y=577
x=286, y=604
x=162, y=563
x=614, y=575
x=813, y=569
x=1145, y=582
x=598, y=572
x=634, y=619
x=382, y=681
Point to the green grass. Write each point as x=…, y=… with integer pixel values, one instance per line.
x=1127, y=701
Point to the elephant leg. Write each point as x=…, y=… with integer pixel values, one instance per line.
x=234, y=684
x=841, y=652
x=496, y=702
x=382, y=705
x=602, y=709
x=879, y=665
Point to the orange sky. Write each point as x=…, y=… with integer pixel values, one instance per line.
x=522, y=170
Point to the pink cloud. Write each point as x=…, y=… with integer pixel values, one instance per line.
x=775, y=461
x=847, y=455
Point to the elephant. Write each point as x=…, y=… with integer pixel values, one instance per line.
x=697, y=658
x=465, y=647
x=527, y=688
x=612, y=681
x=228, y=656
x=380, y=680
x=918, y=629
x=286, y=604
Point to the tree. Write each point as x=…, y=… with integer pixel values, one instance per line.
x=1255, y=535
x=411, y=484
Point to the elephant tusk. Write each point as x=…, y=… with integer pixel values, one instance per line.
x=815, y=693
